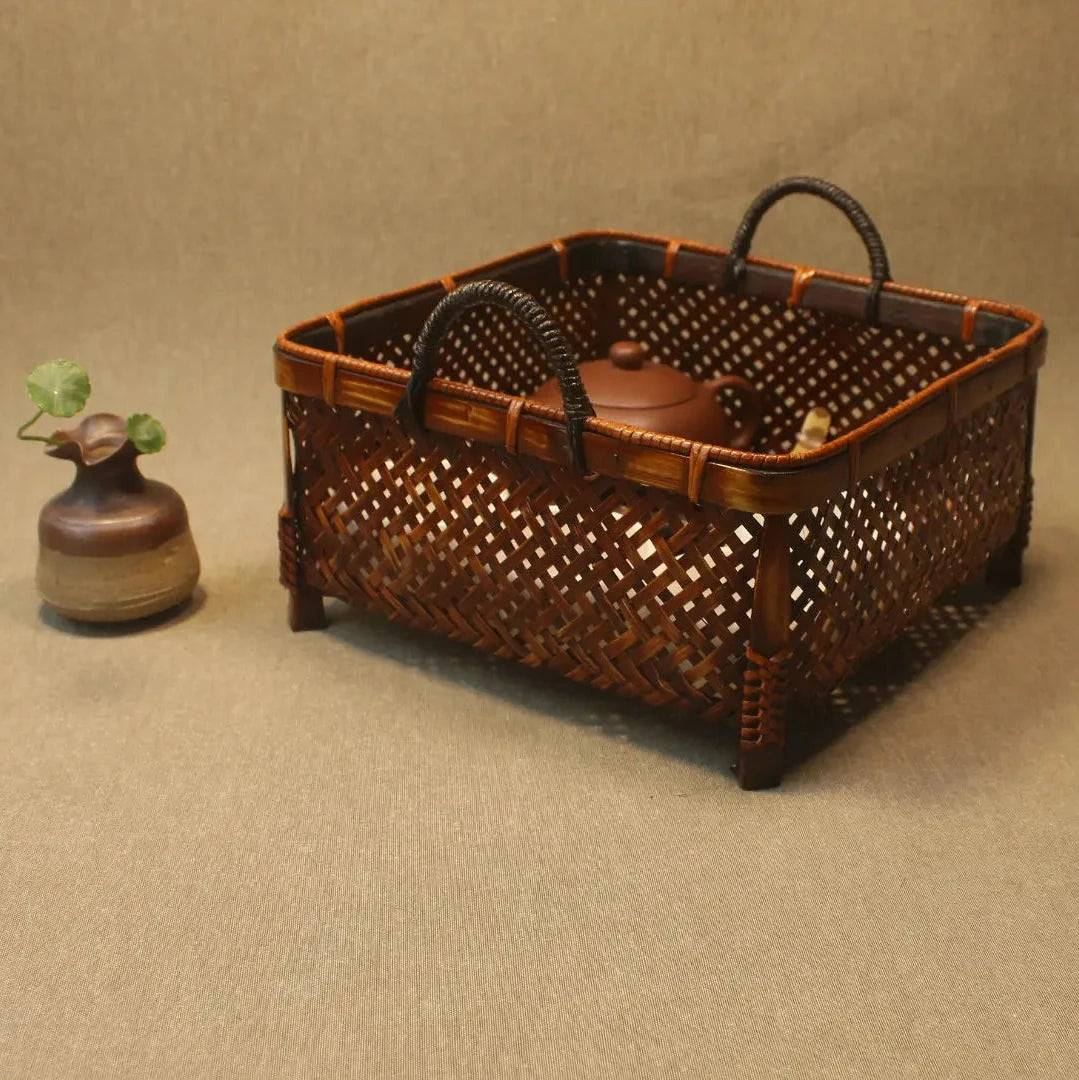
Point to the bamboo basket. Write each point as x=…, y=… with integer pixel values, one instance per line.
x=731, y=583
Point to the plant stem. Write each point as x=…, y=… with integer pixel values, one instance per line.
x=32, y=438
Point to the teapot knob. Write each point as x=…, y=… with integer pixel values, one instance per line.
x=627, y=355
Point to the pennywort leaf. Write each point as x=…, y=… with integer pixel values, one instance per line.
x=146, y=433
x=59, y=387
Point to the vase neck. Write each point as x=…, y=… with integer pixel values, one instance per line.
x=118, y=473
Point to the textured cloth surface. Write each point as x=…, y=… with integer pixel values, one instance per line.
x=226, y=850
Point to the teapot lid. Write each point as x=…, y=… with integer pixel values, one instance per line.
x=625, y=380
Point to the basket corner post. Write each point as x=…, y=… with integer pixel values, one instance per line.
x=306, y=610
x=1004, y=570
x=763, y=732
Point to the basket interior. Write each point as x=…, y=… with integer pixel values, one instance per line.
x=800, y=357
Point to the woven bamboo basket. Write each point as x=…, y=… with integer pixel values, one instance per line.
x=731, y=583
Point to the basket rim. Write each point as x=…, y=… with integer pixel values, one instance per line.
x=884, y=435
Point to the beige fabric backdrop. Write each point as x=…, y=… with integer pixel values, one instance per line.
x=227, y=851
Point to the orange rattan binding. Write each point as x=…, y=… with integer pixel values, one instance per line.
x=733, y=583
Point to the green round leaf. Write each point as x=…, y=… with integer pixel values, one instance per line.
x=60, y=387
x=146, y=433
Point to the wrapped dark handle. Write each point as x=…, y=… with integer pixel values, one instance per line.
x=879, y=270
x=544, y=329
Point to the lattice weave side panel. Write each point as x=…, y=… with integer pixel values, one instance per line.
x=621, y=587
x=490, y=349
x=288, y=542
x=872, y=561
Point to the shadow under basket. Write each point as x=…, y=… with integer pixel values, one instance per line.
x=731, y=583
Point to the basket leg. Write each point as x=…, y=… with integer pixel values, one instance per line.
x=768, y=655
x=305, y=607
x=764, y=721
x=1005, y=567
x=306, y=610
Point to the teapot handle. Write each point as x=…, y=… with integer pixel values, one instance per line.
x=753, y=411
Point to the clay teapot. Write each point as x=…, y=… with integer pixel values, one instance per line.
x=627, y=389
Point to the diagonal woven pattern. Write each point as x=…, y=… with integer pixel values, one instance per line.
x=490, y=349
x=872, y=562
x=623, y=587
x=765, y=697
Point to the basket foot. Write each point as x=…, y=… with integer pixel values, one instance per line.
x=1005, y=567
x=759, y=766
x=306, y=610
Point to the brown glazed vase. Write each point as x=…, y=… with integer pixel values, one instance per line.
x=114, y=546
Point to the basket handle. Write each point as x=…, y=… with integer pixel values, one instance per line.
x=556, y=352
x=879, y=270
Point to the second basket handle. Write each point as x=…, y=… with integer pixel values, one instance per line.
x=556, y=352
x=811, y=185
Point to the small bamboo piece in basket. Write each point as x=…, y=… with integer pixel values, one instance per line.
x=814, y=433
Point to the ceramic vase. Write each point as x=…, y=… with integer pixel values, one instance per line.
x=114, y=546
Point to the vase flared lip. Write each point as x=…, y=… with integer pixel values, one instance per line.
x=99, y=438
